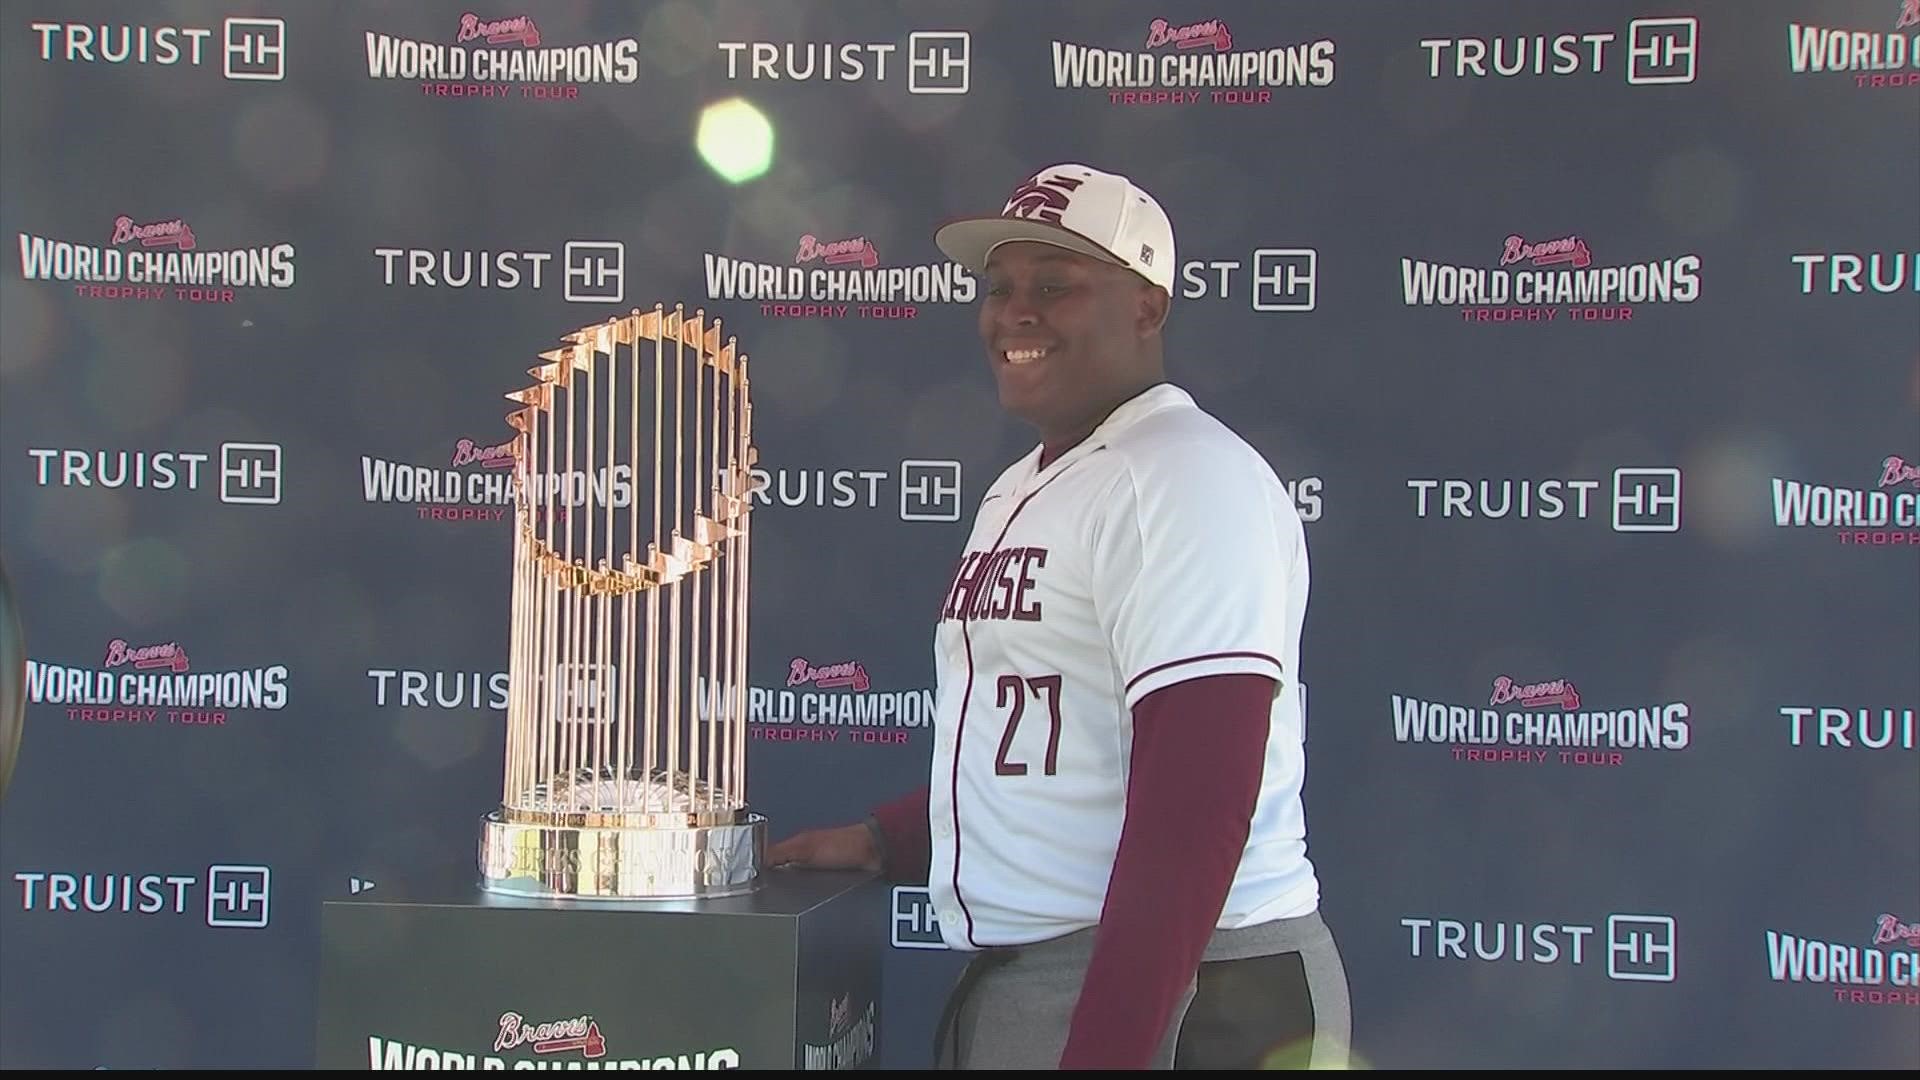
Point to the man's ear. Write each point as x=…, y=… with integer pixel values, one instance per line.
x=1154, y=304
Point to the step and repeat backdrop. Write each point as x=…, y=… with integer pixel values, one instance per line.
x=1586, y=335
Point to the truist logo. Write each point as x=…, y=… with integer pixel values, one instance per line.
x=468, y=452
x=1889, y=930
x=518, y=30
x=1848, y=727
x=1897, y=471
x=1571, y=250
x=937, y=61
x=175, y=233
x=1549, y=280
x=833, y=676
x=581, y=1033
x=854, y=251
x=170, y=656
x=1883, y=273
x=1658, y=51
x=1533, y=695
x=251, y=49
x=1639, y=947
x=1192, y=36
x=592, y=271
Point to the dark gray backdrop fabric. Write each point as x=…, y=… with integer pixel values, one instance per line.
x=1518, y=523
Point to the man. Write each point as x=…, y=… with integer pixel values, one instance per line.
x=1113, y=819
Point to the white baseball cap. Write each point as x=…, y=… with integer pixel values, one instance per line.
x=1098, y=214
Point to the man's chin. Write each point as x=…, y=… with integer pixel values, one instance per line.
x=1021, y=402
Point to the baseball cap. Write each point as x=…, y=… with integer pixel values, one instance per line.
x=1099, y=214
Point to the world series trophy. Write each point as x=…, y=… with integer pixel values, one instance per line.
x=623, y=835
x=625, y=771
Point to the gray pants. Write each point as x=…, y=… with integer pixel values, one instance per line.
x=1266, y=996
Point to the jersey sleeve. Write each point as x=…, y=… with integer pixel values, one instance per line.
x=1190, y=569
x=903, y=837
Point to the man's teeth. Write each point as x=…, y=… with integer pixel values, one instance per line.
x=1024, y=356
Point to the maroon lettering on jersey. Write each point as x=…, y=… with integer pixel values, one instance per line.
x=994, y=585
x=1042, y=198
x=960, y=593
x=1025, y=608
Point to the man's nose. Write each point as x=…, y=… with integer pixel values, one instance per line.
x=1016, y=312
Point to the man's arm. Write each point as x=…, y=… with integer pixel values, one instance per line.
x=1198, y=749
x=900, y=832
x=1199, y=580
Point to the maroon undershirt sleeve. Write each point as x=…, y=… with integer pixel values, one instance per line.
x=1198, y=752
x=905, y=846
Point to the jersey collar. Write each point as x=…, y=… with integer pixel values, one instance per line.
x=1163, y=395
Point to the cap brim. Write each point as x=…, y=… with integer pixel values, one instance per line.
x=969, y=241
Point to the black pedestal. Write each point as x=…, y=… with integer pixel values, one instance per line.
x=439, y=974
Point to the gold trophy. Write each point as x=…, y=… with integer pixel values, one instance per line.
x=625, y=769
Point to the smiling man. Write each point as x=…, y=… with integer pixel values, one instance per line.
x=1113, y=820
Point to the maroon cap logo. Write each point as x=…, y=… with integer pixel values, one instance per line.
x=1043, y=198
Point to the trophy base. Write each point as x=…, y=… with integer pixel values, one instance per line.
x=607, y=862
x=427, y=970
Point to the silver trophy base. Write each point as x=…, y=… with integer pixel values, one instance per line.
x=602, y=862
x=606, y=837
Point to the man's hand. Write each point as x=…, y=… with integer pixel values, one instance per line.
x=848, y=847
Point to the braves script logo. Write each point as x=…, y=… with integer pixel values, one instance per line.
x=1572, y=249
x=1898, y=471
x=1909, y=14
x=1557, y=692
x=500, y=31
x=468, y=452
x=170, y=655
x=1043, y=197
x=853, y=250
x=158, y=234
x=1212, y=32
x=581, y=1033
x=830, y=677
x=1889, y=930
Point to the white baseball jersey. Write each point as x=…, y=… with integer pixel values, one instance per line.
x=1160, y=549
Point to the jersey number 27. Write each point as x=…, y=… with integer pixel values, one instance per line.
x=1013, y=693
